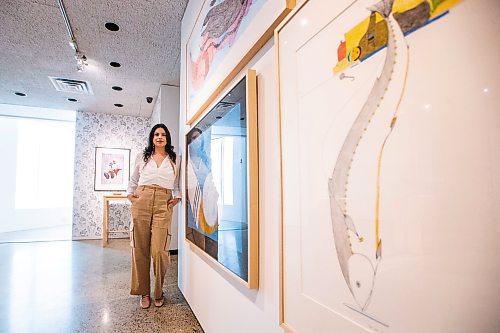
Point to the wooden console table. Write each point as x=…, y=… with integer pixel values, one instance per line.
x=105, y=217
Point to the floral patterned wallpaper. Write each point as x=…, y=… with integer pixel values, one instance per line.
x=101, y=130
x=119, y=218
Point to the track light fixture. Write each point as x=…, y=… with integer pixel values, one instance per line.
x=73, y=45
x=81, y=59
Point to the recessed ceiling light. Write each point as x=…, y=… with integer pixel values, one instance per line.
x=112, y=26
x=20, y=94
x=114, y=64
x=117, y=88
x=119, y=105
x=72, y=100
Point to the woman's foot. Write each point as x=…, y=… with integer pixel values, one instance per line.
x=145, y=301
x=159, y=302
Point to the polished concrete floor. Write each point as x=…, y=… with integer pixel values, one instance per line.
x=79, y=286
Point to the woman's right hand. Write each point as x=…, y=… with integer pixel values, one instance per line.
x=132, y=196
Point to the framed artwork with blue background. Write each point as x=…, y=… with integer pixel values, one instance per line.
x=222, y=182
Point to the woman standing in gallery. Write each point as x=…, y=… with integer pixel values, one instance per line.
x=154, y=191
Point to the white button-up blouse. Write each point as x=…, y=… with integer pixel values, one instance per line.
x=147, y=173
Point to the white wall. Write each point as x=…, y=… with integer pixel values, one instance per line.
x=8, y=148
x=220, y=303
x=155, y=115
x=166, y=111
x=169, y=115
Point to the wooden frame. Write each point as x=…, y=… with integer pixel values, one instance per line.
x=326, y=83
x=242, y=51
x=202, y=225
x=112, y=169
x=281, y=319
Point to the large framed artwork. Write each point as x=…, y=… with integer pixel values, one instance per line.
x=390, y=166
x=222, y=183
x=112, y=169
x=226, y=35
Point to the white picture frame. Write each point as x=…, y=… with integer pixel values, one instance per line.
x=418, y=180
x=112, y=169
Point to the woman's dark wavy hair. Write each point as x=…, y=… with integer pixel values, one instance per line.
x=169, y=149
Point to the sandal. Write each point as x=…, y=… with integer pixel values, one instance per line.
x=159, y=302
x=145, y=301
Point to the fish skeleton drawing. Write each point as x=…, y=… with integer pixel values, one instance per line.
x=342, y=223
x=386, y=26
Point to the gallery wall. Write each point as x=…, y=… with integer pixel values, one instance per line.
x=441, y=182
x=166, y=111
x=220, y=303
x=155, y=115
x=101, y=130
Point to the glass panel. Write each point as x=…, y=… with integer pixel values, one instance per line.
x=217, y=192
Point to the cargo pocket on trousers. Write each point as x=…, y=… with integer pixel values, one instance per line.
x=166, y=248
x=133, y=208
x=132, y=238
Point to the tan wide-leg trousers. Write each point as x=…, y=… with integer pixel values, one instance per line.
x=150, y=236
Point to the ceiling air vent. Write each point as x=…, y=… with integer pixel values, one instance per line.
x=72, y=86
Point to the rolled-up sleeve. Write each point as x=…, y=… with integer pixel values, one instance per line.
x=134, y=177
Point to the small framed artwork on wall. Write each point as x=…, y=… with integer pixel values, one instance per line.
x=112, y=169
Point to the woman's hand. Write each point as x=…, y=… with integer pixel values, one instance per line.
x=173, y=202
x=132, y=196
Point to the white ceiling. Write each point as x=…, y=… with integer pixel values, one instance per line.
x=34, y=44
